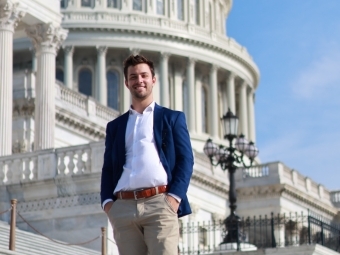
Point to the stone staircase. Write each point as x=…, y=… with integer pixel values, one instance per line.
x=31, y=244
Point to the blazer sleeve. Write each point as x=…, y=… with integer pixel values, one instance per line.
x=106, y=191
x=184, y=159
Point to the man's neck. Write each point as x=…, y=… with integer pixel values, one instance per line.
x=140, y=106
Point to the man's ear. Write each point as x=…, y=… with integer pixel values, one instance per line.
x=154, y=80
x=126, y=83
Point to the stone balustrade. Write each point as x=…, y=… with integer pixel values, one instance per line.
x=84, y=105
x=51, y=163
x=335, y=198
x=277, y=173
x=159, y=25
x=67, y=100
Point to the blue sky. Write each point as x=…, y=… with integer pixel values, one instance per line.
x=296, y=45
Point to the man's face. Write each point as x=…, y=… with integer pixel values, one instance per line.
x=140, y=81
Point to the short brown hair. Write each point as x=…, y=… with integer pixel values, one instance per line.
x=135, y=60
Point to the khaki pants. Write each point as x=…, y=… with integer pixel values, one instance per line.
x=145, y=226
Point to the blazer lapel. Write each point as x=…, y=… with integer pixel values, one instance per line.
x=158, y=126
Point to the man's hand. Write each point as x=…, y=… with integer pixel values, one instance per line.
x=108, y=206
x=173, y=202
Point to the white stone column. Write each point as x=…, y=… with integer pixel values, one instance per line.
x=191, y=94
x=164, y=80
x=251, y=116
x=46, y=39
x=178, y=88
x=213, y=102
x=102, y=83
x=231, y=93
x=243, y=115
x=68, y=66
x=9, y=18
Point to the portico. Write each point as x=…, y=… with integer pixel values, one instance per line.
x=41, y=21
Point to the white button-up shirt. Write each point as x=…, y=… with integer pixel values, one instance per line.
x=143, y=168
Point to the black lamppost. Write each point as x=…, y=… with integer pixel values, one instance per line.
x=231, y=158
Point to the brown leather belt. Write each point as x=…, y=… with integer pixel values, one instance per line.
x=141, y=193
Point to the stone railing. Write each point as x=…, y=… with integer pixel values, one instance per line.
x=118, y=20
x=71, y=97
x=84, y=105
x=66, y=99
x=335, y=197
x=107, y=19
x=278, y=173
x=51, y=163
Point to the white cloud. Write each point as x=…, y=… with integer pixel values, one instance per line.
x=320, y=78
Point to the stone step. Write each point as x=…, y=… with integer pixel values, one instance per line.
x=32, y=244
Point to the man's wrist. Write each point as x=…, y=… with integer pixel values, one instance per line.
x=178, y=199
x=105, y=202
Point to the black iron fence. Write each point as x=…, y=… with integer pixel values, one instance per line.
x=279, y=230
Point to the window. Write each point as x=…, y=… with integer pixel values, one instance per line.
x=180, y=10
x=59, y=75
x=138, y=5
x=63, y=4
x=85, y=81
x=204, y=110
x=113, y=89
x=197, y=12
x=87, y=3
x=112, y=3
x=160, y=7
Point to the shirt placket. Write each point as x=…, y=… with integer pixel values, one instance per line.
x=135, y=145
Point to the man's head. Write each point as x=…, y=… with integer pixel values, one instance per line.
x=135, y=60
x=139, y=79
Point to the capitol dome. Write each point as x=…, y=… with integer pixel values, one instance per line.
x=199, y=69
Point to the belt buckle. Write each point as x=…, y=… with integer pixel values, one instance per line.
x=135, y=193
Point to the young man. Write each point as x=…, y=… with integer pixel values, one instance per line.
x=148, y=163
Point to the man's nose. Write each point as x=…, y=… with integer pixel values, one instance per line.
x=140, y=79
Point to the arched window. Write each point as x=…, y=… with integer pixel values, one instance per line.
x=63, y=4
x=59, y=74
x=87, y=3
x=137, y=5
x=112, y=4
x=180, y=10
x=197, y=12
x=160, y=7
x=204, y=110
x=85, y=81
x=185, y=97
x=112, y=89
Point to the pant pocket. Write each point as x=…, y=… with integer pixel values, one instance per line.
x=169, y=205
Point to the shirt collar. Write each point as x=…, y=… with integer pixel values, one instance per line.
x=149, y=108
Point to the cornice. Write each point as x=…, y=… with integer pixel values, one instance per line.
x=210, y=184
x=79, y=124
x=289, y=192
x=218, y=45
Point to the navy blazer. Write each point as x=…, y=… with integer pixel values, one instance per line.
x=174, y=150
